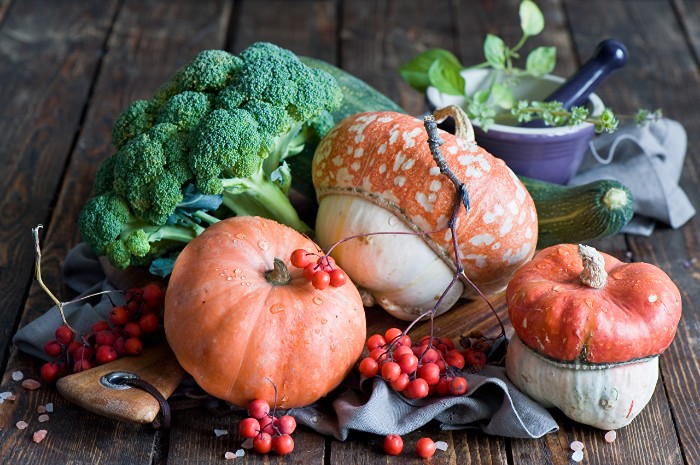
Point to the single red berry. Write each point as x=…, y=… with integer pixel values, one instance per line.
x=400, y=383
x=133, y=307
x=425, y=448
x=390, y=371
x=72, y=346
x=133, y=346
x=64, y=335
x=249, y=427
x=119, y=315
x=320, y=280
x=267, y=424
x=380, y=354
x=300, y=258
x=326, y=262
x=82, y=353
x=286, y=424
x=134, y=294
x=374, y=341
x=258, y=408
x=400, y=350
x=392, y=333
x=442, y=388
x=149, y=323
x=282, y=444
x=105, y=354
x=408, y=363
x=393, y=444
x=53, y=348
x=429, y=355
x=153, y=295
x=310, y=270
x=430, y=372
x=105, y=338
x=262, y=443
x=369, y=367
x=474, y=358
x=120, y=346
x=454, y=358
x=81, y=365
x=458, y=386
x=50, y=372
x=133, y=329
x=99, y=326
x=417, y=389
x=338, y=277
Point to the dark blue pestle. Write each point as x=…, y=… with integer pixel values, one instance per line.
x=609, y=56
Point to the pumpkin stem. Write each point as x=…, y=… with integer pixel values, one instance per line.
x=593, y=274
x=279, y=275
x=463, y=127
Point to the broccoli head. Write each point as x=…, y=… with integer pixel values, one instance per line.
x=221, y=127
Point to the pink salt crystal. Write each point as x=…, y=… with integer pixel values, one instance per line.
x=39, y=436
x=577, y=456
x=576, y=445
x=22, y=424
x=17, y=375
x=229, y=456
x=31, y=384
x=41, y=409
x=610, y=436
x=49, y=407
x=43, y=418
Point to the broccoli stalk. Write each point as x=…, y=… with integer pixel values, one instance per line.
x=211, y=143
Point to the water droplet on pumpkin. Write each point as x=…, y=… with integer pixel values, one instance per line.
x=317, y=331
x=263, y=245
x=240, y=236
x=237, y=271
x=557, y=288
x=318, y=301
x=392, y=221
x=277, y=308
x=323, y=321
x=589, y=302
x=229, y=278
x=652, y=298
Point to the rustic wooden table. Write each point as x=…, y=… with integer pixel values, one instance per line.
x=68, y=68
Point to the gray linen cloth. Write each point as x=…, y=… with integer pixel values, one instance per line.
x=649, y=161
x=492, y=403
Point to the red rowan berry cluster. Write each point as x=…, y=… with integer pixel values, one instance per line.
x=320, y=270
x=268, y=432
x=432, y=366
x=123, y=334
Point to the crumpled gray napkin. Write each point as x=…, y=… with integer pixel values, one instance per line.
x=649, y=161
x=492, y=403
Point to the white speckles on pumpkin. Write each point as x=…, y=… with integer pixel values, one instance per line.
x=506, y=226
x=344, y=176
x=409, y=138
x=359, y=152
x=382, y=168
x=480, y=261
x=355, y=166
x=398, y=161
x=424, y=202
x=349, y=149
x=400, y=181
x=482, y=239
x=382, y=149
x=528, y=233
x=522, y=217
x=513, y=207
x=490, y=217
x=367, y=184
x=408, y=164
x=337, y=160
x=385, y=119
x=435, y=185
x=496, y=246
x=434, y=171
x=394, y=135
x=452, y=150
x=513, y=257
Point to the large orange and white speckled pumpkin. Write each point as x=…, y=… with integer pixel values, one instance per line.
x=374, y=172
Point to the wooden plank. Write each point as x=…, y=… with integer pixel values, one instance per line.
x=48, y=60
x=149, y=42
x=660, y=73
x=377, y=37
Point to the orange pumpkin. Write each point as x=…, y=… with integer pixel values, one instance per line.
x=374, y=172
x=588, y=333
x=237, y=323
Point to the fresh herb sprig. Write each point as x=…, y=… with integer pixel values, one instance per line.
x=442, y=69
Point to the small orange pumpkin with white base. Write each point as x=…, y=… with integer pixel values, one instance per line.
x=588, y=332
x=374, y=172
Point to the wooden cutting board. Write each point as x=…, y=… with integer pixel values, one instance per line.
x=89, y=389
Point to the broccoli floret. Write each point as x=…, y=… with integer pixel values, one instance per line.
x=109, y=228
x=219, y=131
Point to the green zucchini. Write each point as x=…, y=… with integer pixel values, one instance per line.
x=574, y=214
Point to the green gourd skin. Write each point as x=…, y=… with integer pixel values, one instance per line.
x=567, y=214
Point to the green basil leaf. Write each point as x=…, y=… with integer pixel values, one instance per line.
x=446, y=78
x=531, y=18
x=541, y=61
x=502, y=95
x=481, y=96
x=415, y=72
x=495, y=51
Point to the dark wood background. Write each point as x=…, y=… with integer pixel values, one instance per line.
x=67, y=68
